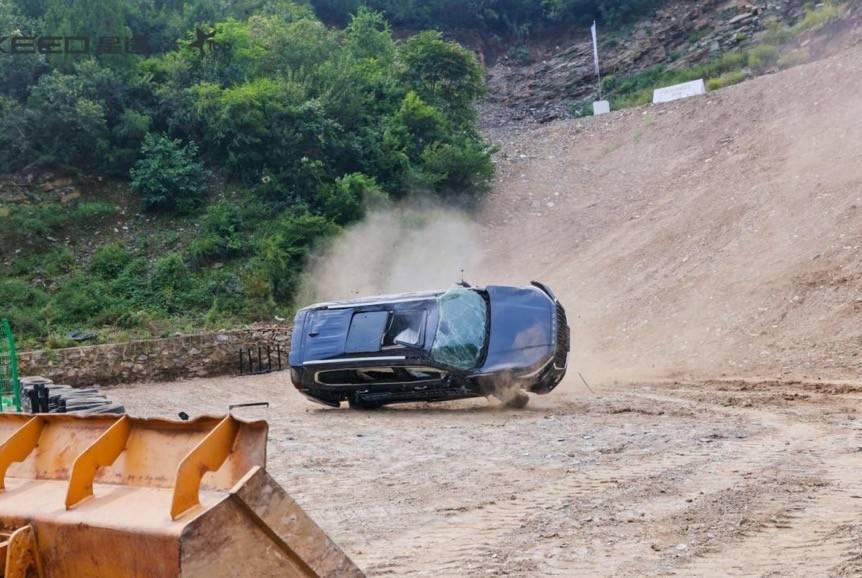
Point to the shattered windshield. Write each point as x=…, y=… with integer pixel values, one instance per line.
x=461, y=330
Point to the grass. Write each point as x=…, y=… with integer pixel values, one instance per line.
x=65, y=268
x=48, y=219
x=581, y=108
x=726, y=79
x=818, y=17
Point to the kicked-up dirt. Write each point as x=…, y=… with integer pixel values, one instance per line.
x=740, y=478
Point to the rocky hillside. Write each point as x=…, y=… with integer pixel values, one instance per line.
x=540, y=79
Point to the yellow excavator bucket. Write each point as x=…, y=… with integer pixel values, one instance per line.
x=102, y=496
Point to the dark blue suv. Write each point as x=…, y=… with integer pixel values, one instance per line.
x=431, y=346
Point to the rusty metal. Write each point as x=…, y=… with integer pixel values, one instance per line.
x=105, y=496
x=22, y=555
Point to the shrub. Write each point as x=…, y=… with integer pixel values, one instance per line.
x=167, y=176
x=793, y=58
x=170, y=281
x=762, y=57
x=581, y=108
x=316, y=124
x=220, y=235
x=457, y=168
x=109, y=260
x=726, y=79
x=347, y=199
x=816, y=17
x=281, y=254
x=17, y=293
x=81, y=301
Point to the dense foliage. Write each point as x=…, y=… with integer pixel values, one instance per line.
x=518, y=18
x=301, y=126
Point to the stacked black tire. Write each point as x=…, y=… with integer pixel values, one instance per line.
x=41, y=395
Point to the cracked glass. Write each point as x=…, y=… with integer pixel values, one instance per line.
x=461, y=330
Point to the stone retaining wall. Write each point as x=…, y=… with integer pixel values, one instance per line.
x=168, y=359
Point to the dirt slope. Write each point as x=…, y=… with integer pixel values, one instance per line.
x=718, y=235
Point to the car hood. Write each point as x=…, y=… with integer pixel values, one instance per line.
x=522, y=330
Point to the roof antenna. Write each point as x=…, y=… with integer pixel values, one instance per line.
x=463, y=283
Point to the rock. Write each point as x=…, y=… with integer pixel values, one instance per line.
x=57, y=184
x=70, y=196
x=741, y=18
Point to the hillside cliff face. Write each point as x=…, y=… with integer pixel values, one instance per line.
x=538, y=79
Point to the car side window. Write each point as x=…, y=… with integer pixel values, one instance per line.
x=405, y=328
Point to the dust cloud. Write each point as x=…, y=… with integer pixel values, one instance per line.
x=411, y=246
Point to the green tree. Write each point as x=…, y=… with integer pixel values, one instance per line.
x=368, y=36
x=15, y=134
x=443, y=73
x=71, y=127
x=91, y=19
x=18, y=74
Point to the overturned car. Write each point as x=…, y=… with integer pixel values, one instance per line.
x=431, y=346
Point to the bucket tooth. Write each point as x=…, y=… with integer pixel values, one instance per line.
x=19, y=445
x=102, y=453
x=207, y=456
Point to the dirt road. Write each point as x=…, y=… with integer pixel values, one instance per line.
x=720, y=478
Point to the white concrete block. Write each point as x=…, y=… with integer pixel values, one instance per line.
x=601, y=107
x=677, y=91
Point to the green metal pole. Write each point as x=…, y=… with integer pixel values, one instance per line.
x=14, y=383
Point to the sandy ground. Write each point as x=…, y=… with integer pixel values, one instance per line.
x=718, y=478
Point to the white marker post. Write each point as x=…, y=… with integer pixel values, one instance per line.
x=600, y=106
